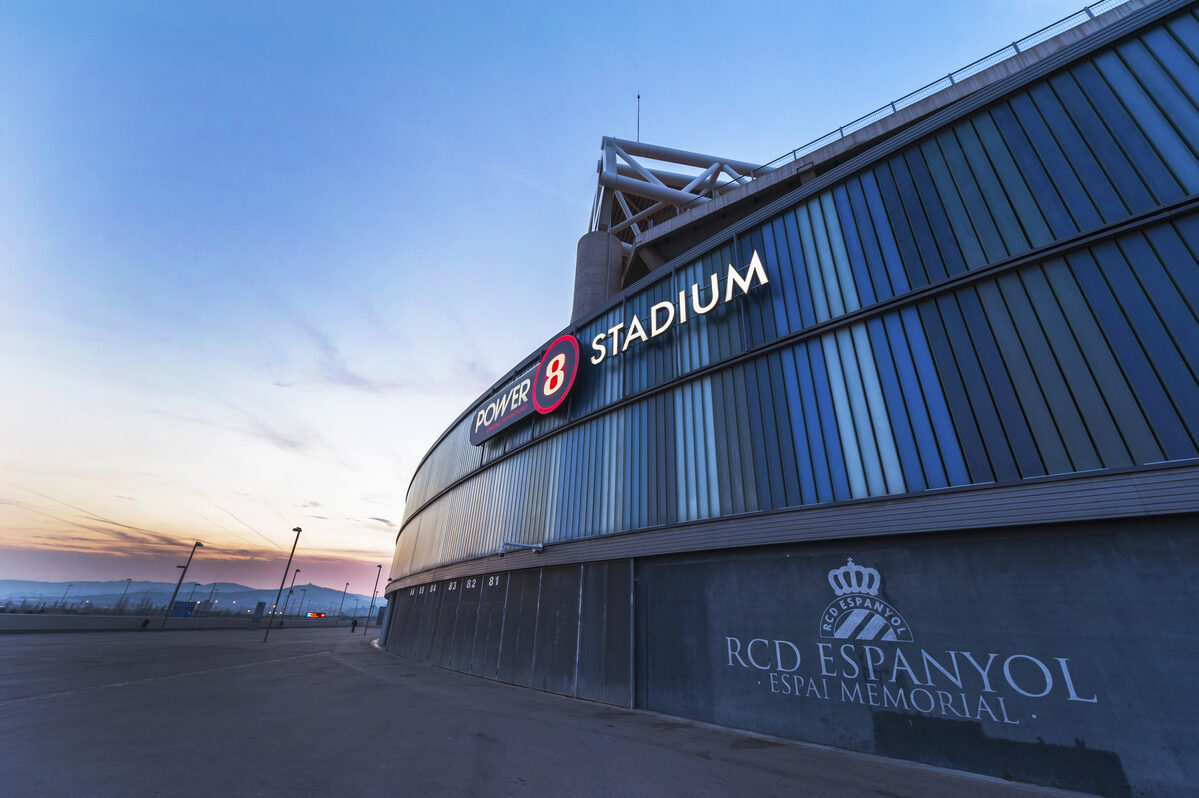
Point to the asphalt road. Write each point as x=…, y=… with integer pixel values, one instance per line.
x=317, y=712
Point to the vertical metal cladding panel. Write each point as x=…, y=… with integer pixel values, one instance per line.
x=697, y=337
x=401, y=635
x=666, y=468
x=400, y=608
x=912, y=226
x=441, y=652
x=989, y=168
x=452, y=459
x=1140, y=310
x=618, y=634
x=1055, y=377
x=557, y=643
x=972, y=222
x=758, y=373
x=493, y=591
x=990, y=152
x=892, y=399
x=466, y=624
x=589, y=667
x=430, y=604
x=917, y=189
x=603, y=659
x=520, y=627
x=598, y=387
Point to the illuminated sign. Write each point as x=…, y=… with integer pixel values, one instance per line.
x=542, y=388
x=663, y=314
x=504, y=408
x=556, y=374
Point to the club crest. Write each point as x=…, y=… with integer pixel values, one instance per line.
x=858, y=613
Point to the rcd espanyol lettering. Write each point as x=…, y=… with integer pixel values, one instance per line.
x=663, y=314
x=889, y=673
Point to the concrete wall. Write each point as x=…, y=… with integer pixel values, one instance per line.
x=1083, y=636
x=1055, y=654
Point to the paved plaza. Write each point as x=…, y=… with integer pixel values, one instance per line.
x=317, y=712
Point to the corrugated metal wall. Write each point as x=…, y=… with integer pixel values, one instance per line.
x=564, y=629
x=1013, y=295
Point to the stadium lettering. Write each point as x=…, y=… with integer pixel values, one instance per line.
x=664, y=314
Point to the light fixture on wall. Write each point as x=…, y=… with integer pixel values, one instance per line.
x=508, y=546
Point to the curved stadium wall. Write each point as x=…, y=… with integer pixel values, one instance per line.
x=928, y=492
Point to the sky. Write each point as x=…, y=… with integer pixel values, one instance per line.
x=256, y=256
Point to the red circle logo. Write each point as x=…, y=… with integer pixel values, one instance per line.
x=556, y=374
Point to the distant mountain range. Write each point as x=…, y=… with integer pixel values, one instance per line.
x=225, y=596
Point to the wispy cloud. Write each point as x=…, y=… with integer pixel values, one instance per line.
x=332, y=367
x=243, y=523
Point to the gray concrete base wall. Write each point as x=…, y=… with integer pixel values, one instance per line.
x=1059, y=655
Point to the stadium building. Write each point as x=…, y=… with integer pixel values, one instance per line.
x=890, y=445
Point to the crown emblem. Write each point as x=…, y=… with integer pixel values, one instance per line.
x=850, y=578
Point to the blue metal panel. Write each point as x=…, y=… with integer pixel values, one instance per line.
x=1088, y=171
x=886, y=235
x=831, y=229
x=1024, y=380
x=996, y=207
x=945, y=259
x=920, y=223
x=950, y=190
x=822, y=478
x=827, y=415
x=956, y=398
x=896, y=407
x=1179, y=157
x=1112, y=386
x=999, y=385
x=853, y=246
x=1029, y=163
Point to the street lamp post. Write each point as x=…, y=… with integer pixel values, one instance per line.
x=303, y=598
x=179, y=584
x=290, y=590
x=63, y=602
x=121, y=600
x=371, y=611
x=286, y=568
x=343, y=602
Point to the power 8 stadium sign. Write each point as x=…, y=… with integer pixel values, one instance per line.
x=542, y=388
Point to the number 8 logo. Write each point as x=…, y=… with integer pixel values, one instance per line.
x=556, y=374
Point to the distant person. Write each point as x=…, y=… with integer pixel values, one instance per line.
x=354, y=626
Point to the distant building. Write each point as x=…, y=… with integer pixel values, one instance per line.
x=917, y=478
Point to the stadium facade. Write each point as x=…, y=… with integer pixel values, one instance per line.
x=891, y=448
